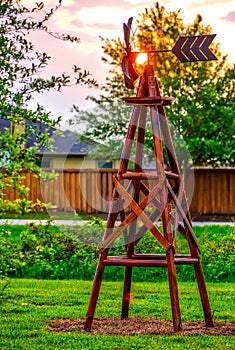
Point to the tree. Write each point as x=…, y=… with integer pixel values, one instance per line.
x=203, y=110
x=20, y=70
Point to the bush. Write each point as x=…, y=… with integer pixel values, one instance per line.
x=52, y=252
x=218, y=253
x=44, y=251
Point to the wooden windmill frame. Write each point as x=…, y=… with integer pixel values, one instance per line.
x=168, y=189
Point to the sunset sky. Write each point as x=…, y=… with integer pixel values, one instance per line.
x=88, y=19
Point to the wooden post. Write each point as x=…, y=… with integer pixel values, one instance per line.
x=94, y=296
x=130, y=247
x=201, y=283
x=203, y=294
x=173, y=290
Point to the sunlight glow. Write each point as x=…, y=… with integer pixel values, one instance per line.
x=141, y=58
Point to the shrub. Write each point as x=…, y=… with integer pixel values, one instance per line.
x=48, y=251
x=218, y=253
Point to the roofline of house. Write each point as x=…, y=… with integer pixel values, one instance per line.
x=60, y=154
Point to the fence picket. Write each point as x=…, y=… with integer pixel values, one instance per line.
x=90, y=191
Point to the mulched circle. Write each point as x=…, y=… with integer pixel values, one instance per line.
x=138, y=325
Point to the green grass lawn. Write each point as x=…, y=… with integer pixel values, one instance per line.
x=28, y=306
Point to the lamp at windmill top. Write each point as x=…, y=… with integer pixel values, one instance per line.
x=186, y=49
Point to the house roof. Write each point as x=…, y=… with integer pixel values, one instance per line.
x=4, y=123
x=63, y=142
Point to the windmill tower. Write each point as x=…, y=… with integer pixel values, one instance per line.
x=137, y=190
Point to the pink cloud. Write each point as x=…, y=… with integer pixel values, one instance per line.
x=106, y=26
x=78, y=5
x=206, y=3
x=230, y=17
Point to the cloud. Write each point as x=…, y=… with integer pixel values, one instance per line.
x=105, y=26
x=93, y=18
x=230, y=17
x=74, y=6
x=194, y=4
x=101, y=15
x=139, y=2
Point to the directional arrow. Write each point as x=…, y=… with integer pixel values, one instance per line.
x=194, y=48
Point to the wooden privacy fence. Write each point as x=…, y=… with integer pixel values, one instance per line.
x=214, y=191
x=90, y=190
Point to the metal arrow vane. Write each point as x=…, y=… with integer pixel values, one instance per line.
x=186, y=49
x=194, y=48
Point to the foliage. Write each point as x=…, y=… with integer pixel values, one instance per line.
x=21, y=67
x=203, y=110
x=219, y=250
x=43, y=251
x=29, y=306
x=48, y=251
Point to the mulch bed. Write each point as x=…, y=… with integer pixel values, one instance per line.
x=138, y=325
